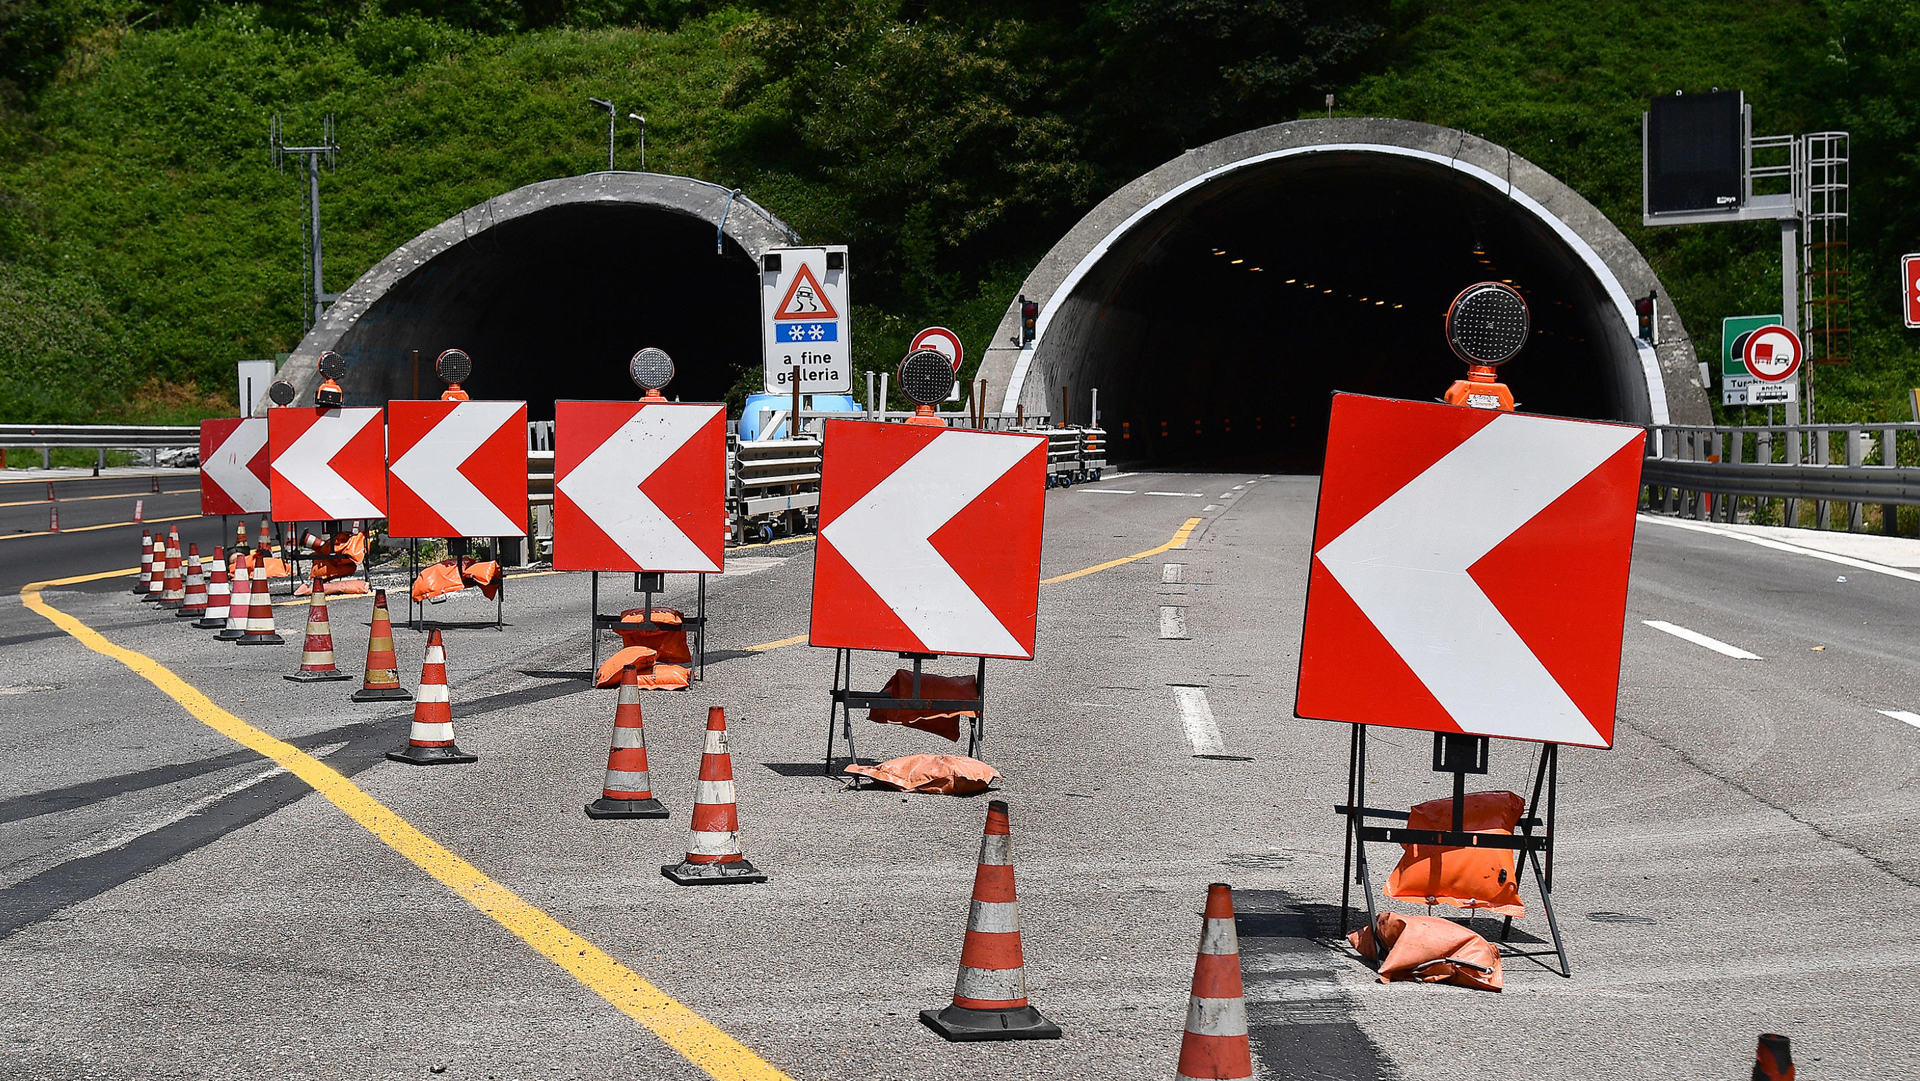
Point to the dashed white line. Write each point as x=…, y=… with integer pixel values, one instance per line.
x=1699, y=639
x=1111, y=491
x=1172, y=573
x=1196, y=718
x=1902, y=715
x=1173, y=622
x=1187, y=495
x=1208, y=507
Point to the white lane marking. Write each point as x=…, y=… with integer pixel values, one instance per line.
x=1778, y=546
x=1173, y=622
x=1171, y=573
x=1699, y=639
x=1189, y=495
x=1237, y=487
x=1196, y=718
x=1208, y=507
x=741, y=566
x=1227, y=495
x=1110, y=491
x=1902, y=715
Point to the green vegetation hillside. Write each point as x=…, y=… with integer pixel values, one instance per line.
x=146, y=242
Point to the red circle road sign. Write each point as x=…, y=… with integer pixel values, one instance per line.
x=1772, y=354
x=940, y=340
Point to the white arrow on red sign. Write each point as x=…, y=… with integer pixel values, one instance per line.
x=929, y=540
x=639, y=486
x=233, y=466
x=1496, y=575
x=328, y=464
x=459, y=469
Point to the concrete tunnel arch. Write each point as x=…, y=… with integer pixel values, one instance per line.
x=551, y=287
x=1173, y=298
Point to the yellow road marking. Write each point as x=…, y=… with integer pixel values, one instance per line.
x=693, y=1037
x=128, y=573
x=764, y=646
x=1179, y=538
x=84, y=498
x=91, y=528
x=771, y=543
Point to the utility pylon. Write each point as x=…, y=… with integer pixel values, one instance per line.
x=317, y=296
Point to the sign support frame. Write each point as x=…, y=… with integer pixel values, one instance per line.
x=697, y=624
x=460, y=563
x=846, y=700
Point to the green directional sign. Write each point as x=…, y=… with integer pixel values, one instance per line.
x=1730, y=330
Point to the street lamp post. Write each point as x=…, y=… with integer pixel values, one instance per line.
x=643, y=138
x=611, y=114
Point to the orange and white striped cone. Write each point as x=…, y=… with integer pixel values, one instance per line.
x=260, y=630
x=990, y=995
x=146, y=563
x=139, y=511
x=157, y=574
x=265, y=547
x=628, y=790
x=1215, y=1046
x=240, y=605
x=316, y=654
x=219, y=593
x=382, y=682
x=240, y=536
x=430, y=741
x=713, y=854
x=195, y=604
x=1773, y=1061
x=173, y=592
x=53, y=518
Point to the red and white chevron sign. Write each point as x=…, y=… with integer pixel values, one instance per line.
x=458, y=469
x=233, y=466
x=327, y=464
x=929, y=540
x=639, y=486
x=1469, y=571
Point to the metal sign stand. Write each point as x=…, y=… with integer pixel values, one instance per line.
x=846, y=700
x=648, y=583
x=1458, y=754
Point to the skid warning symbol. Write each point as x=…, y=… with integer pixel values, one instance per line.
x=805, y=299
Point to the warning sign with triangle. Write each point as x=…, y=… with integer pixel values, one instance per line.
x=805, y=299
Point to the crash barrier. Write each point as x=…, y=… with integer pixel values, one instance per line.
x=1074, y=454
x=101, y=437
x=1771, y=473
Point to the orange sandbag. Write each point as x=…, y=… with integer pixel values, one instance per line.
x=438, y=580
x=486, y=576
x=952, y=774
x=277, y=567
x=350, y=545
x=330, y=567
x=335, y=587
x=1462, y=877
x=1431, y=950
x=931, y=686
x=659, y=677
x=669, y=639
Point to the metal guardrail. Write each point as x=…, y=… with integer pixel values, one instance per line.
x=107, y=436
x=1707, y=473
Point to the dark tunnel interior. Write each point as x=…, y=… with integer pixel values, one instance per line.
x=1217, y=329
x=551, y=305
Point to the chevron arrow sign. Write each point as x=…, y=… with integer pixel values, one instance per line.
x=459, y=469
x=1469, y=571
x=639, y=486
x=929, y=540
x=327, y=464
x=233, y=466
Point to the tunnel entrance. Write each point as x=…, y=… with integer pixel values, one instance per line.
x=1217, y=318
x=552, y=287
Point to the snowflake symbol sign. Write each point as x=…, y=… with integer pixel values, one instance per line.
x=817, y=332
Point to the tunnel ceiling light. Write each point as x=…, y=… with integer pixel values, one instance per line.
x=1219, y=251
x=1290, y=281
x=1326, y=290
x=1237, y=262
x=1397, y=307
x=1487, y=324
x=650, y=369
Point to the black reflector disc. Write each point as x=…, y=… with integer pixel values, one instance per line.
x=926, y=376
x=651, y=368
x=454, y=366
x=1487, y=323
x=281, y=392
x=332, y=365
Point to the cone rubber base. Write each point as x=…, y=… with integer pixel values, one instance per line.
x=260, y=640
x=229, y=635
x=170, y=605
x=205, y=624
x=432, y=756
x=712, y=874
x=140, y=590
x=383, y=694
x=316, y=677
x=961, y=1025
x=190, y=613
x=625, y=808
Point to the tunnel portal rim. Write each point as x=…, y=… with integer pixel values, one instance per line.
x=1172, y=181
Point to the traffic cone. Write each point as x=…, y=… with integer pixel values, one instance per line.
x=174, y=588
x=260, y=630
x=195, y=603
x=219, y=593
x=146, y=563
x=50, y=496
x=382, y=682
x=713, y=855
x=157, y=574
x=316, y=656
x=139, y=511
x=240, y=605
x=990, y=995
x=240, y=536
x=265, y=547
x=1774, y=1059
x=430, y=742
x=1215, y=1045
x=628, y=791
x=53, y=518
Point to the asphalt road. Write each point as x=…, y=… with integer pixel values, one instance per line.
x=96, y=522
x=1740, y=862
